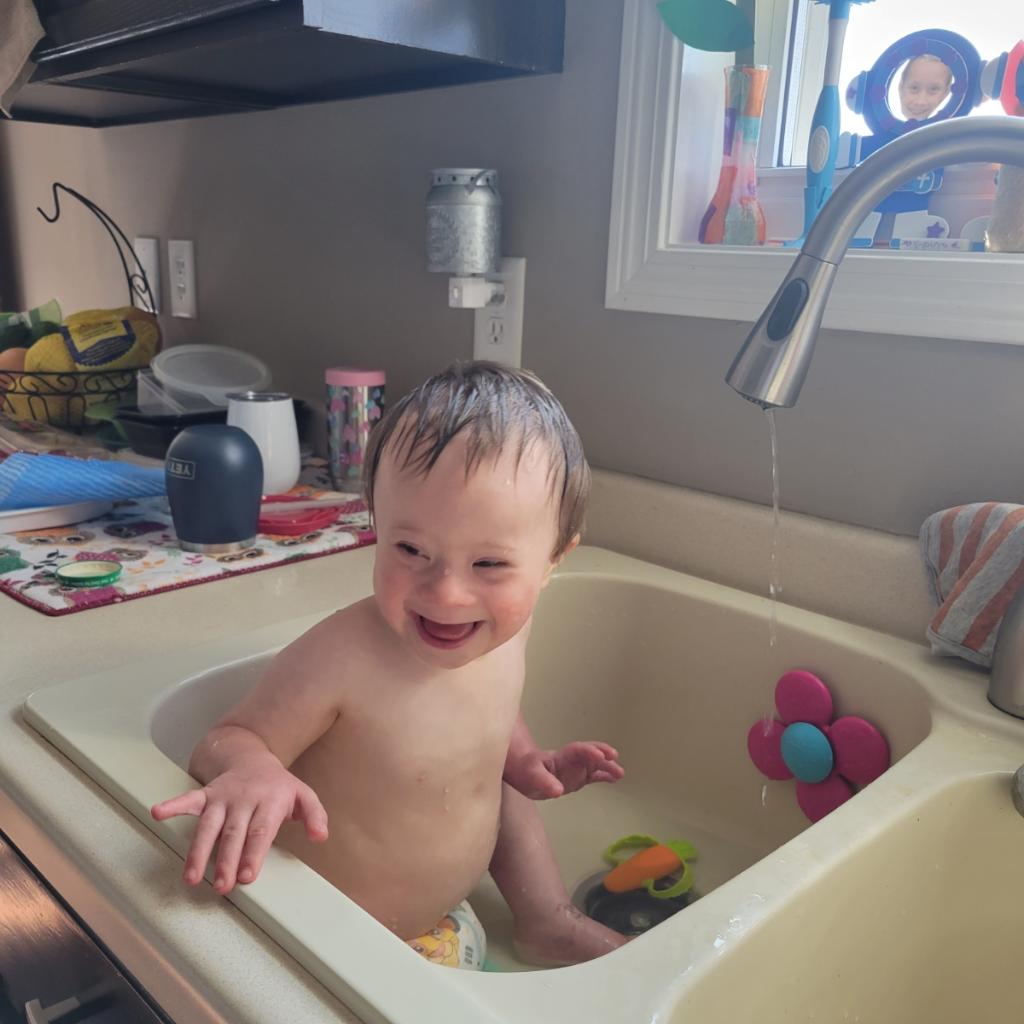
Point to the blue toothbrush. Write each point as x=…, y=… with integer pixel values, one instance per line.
x=824, y=138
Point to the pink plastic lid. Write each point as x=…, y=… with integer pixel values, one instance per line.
x=353, y=376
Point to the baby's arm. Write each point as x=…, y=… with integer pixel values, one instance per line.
x=243, y=760
x=544, y=774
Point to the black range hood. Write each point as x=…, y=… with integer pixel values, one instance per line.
x=110, y=62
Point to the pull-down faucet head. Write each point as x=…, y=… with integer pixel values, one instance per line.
x=769, y=369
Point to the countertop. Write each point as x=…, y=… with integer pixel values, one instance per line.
x=120, y=878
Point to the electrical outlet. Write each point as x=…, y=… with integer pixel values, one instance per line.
x=498, y=328
x=181, y=268
x=147, y=252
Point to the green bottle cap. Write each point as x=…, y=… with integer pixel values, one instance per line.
x=96, y=573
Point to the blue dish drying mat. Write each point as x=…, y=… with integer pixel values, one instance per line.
x=31, y=481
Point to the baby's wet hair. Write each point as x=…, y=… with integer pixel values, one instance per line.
x=496, y=408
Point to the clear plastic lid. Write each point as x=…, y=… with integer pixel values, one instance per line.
x=212, y=371
x=153, y=399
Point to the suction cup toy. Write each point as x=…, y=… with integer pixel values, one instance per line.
x=827, y=758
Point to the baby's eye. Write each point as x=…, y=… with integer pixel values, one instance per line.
x=408, y=549
x=490, y=563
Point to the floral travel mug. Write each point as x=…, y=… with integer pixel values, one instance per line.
x=355, y=402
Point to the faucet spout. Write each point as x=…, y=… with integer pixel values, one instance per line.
x=770, y=368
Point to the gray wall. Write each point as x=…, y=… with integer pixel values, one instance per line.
x=308, y=226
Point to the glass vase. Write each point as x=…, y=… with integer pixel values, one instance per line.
x=734, y=215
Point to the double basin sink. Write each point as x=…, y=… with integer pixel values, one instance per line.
x=906, y=904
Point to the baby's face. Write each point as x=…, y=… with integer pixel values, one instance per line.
x=925, y=87
x=460, y=562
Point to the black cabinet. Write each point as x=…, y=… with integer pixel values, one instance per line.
x=107, y=62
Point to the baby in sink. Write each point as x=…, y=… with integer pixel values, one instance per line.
x=397, y=718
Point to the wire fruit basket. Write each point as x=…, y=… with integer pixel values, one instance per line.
x=63, y=399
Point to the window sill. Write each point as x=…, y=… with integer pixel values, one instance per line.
x=970, y=296
x=976, y=297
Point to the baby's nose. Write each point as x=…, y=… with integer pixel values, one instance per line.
x=447, y=587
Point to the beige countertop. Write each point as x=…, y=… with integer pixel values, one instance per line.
x=126, y=883
x=123, y=880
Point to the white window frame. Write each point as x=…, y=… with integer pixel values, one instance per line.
x=971, y=296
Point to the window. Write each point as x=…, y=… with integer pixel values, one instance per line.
x=873, y=27
x=668, y=152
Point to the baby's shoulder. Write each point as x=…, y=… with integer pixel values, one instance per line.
x=351, y=627
x=345, y=638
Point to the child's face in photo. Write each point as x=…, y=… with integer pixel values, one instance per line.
x=461, y=561
x=924, y=88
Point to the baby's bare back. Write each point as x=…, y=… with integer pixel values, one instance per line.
x=410, y=776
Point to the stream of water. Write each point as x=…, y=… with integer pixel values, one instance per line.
x=774, y=581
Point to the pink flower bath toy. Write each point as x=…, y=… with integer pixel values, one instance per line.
x=827, y=758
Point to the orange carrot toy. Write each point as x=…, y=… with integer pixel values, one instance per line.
x=651, y=862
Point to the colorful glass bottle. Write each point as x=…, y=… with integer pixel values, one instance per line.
x=734, y=215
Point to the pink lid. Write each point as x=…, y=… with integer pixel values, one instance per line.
x=353, y=376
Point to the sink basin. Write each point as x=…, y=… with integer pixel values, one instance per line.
x=924, y=925
x=671, y=669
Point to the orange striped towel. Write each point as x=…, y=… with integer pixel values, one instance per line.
x=974, y=555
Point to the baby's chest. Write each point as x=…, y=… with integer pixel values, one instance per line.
x=419, y=735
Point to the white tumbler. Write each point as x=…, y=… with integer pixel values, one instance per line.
x=268, y=417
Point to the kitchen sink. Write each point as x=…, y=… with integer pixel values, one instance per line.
x=673, y=671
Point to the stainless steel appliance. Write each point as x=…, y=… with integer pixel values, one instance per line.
x=52, y=971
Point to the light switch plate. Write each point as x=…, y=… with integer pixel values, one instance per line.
x=181, y=271
x=498, y=329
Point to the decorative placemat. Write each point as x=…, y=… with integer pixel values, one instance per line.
x=140, y=535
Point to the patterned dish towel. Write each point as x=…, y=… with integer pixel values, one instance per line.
x=140, y=535
x=974, y=556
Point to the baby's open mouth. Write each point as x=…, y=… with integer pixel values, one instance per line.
x=445, y=634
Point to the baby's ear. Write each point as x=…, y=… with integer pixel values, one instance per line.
x=574, y=543
x=556, y=561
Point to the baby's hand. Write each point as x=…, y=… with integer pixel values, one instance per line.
x=242, y=810
x=545, y=774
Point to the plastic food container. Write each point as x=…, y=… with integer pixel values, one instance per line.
x=209, y=371
x=152, y=398
x=151, y=433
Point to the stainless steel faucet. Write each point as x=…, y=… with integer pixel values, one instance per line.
x=769, y=369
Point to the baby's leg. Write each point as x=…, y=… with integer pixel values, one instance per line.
x=549, y=930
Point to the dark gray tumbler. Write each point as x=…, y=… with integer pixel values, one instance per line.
x=214, y=479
